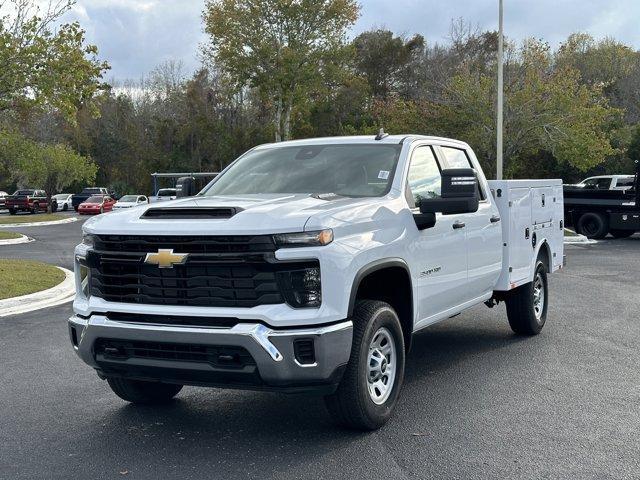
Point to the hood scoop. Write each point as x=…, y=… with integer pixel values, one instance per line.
x=191, y=213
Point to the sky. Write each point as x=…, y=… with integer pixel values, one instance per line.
x=134, y=36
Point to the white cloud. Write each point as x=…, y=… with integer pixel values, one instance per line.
x=136, y=35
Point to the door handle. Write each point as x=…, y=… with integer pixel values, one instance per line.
x=458, y=225
x=495, y=219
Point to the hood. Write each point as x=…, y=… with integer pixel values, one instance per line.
x=253, y=214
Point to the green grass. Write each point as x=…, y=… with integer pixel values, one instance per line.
x=41, y=217
x=9, y=235
x=22, y=277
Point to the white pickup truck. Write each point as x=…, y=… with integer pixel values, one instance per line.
x=307, y=266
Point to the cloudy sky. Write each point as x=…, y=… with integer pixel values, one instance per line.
x=136, y=35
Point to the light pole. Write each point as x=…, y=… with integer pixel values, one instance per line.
x=500, y=109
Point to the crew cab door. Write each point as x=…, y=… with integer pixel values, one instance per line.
x=437, y=255
x=483, y=228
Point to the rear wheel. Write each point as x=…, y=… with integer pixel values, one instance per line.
x=593, y=225
x=65, y=207
x=527, y=305
x=621, y=233
x=12, y=211
x=36, y=207
x=369, y=390
x=138, y=391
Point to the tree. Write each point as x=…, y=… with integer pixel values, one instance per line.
x=40, y=67
x=386, y=61
x=51, y=167
x=282, y=48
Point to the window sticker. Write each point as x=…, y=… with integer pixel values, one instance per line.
x=383, y=175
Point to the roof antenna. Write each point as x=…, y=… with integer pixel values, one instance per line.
x=381, y=134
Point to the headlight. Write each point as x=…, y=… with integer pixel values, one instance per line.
x=88, y=240
x=302, y=286
x=304, y=239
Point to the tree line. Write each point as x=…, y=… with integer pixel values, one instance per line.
x=274, y=70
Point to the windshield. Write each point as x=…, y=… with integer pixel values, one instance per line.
x=129, y=198
x=167, y=192
x=349, y=170
x=62, y=196
x=94, y=200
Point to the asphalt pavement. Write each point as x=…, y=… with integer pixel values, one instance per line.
x=478, y=402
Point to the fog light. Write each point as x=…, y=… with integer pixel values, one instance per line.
x=84, y=275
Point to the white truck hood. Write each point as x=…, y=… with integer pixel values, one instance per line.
x=258, y=214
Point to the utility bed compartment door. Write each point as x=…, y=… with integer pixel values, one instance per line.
x=542, y=200
x=519, y=239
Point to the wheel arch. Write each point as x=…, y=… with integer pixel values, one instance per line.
x=396, y=272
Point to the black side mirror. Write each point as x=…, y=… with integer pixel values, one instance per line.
x=460, y=193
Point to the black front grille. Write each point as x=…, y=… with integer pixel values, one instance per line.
x=219, y=272
x=258, y=244
x=218, y=356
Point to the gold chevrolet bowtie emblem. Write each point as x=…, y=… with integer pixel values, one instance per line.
x=166, y=258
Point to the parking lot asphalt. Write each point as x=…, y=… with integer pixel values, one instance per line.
x=478, y=402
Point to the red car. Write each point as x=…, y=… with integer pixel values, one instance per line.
x=96, y=204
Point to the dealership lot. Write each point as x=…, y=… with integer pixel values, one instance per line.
x=478, y=402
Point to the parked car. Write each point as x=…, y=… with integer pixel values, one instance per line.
x=29, y=200
x=64, y=201
x=128, y=201
x=78, y=198
x=3, y=198
x=164, y=194
x=316, y=279
x=607, y=182
x=96, y=204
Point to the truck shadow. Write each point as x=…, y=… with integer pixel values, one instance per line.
x=264, y=434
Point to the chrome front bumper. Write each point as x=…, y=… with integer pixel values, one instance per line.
x=272, y=349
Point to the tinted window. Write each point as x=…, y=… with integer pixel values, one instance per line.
x=598, y=183
x=24, y=192
x=94, y=199
x=167, y=192
x=424, y=175
x=350, y=170
x=625, y=182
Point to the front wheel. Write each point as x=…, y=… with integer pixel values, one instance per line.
x=369, y=390
x=138, y=391
x=527, y=305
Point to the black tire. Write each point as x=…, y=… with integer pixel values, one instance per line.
x=525, y=316
x=65, y=207
x=352, y=405
x=146, y=393
x=621, y=233
x=593, y=225
x=75, y=208
x=12, y=211
x=36, y=207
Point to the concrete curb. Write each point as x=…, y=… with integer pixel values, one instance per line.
x=578, y=240
x=16, y=241
x=39, y=224
x=62, y=293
